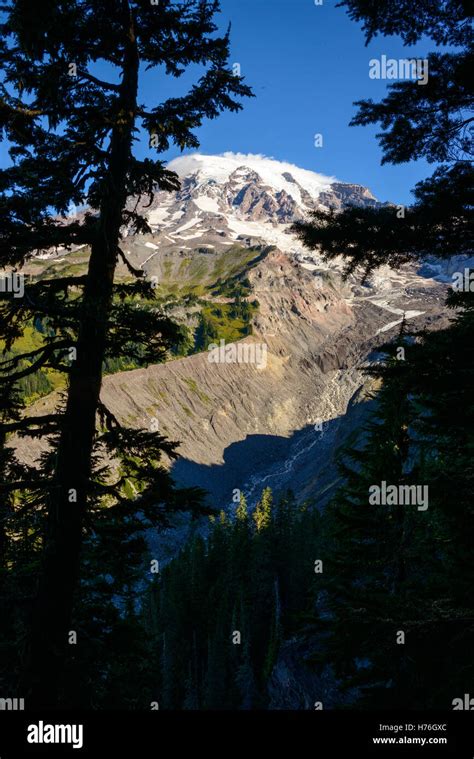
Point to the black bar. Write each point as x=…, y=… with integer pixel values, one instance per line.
x=316, y=735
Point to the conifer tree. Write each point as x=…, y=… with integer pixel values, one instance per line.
x=433, y=121
x=72, y=133
x=390, y=569
x=242, y=510
x=236, y=608
x=262, y=515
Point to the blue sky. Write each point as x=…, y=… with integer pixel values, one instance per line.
x=306, y=63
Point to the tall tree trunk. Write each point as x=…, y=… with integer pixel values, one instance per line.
x=4, y=504
x=68, y=499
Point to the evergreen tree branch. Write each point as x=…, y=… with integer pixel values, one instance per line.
x=139, y=273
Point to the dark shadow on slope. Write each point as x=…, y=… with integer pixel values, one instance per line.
x=305, y=462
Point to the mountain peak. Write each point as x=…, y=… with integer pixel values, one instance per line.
x=278, y=175
x=237, y=198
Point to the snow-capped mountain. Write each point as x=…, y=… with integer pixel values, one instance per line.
x=319, y=331
x=242, y=198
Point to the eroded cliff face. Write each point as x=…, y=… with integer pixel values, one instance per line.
x=249, y=423
x=236, y=418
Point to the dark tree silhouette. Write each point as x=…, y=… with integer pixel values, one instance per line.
x=433, y=121
x=390, y=569
x=71, y=136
